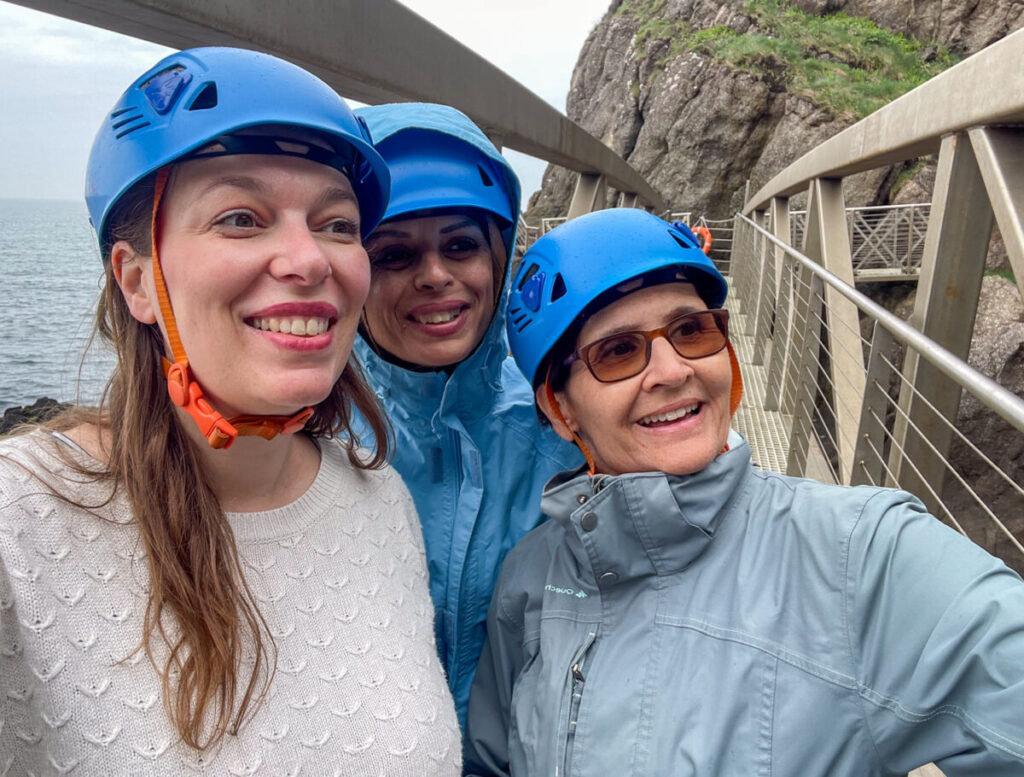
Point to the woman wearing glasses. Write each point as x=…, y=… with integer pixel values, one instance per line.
x=684, y=613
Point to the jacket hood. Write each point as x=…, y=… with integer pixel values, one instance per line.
x=483, y=368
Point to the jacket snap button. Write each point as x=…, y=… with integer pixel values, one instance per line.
x=609, y=577
x=588, y=522
x=582, y=499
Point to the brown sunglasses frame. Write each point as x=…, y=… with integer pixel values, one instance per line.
x=721, y=318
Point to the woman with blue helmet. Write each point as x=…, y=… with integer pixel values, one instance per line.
x=684, y=613
x=206, y=573
x=467, y=439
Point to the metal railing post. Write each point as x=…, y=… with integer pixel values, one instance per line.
x=1000, y=155
x=947, y=300
x=869, y=456
x=828, y=243
x=587, y=196
x=805, y=379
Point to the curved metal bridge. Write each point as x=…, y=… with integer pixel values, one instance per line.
x=838, y=388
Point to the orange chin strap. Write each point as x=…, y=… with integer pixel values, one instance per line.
x=735, y=395
x=182, y=388
x=553, y=404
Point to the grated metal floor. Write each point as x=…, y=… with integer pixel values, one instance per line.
x=765, y=430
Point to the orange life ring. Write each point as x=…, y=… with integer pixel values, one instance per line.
x=705, y=238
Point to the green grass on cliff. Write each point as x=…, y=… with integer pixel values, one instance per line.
x=844, y=64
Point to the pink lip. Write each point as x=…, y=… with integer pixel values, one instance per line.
x=296, y=343
x=307, y=309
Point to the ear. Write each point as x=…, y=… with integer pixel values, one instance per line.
x=561, y=419
x=130, y=271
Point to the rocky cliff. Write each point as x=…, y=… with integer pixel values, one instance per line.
x=702, y=95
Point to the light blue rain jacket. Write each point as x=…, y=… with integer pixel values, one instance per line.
x=469, y=445
x=737, y=623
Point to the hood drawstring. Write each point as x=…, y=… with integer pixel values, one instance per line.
x=182, y=387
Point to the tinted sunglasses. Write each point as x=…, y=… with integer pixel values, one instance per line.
x=623, y=355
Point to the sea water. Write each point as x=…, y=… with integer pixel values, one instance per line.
x=50, y=273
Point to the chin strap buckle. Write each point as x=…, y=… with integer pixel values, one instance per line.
x=221, y=432
x=188, y=395
x=269, y=426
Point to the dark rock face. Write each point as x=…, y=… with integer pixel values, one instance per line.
x=698, y=128
x=38, y=412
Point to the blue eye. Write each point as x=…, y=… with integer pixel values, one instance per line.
x=342, y=227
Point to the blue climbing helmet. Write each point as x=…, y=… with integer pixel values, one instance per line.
x=583, y=261
x=430, y=170
x=440, y=160
x=192, y=99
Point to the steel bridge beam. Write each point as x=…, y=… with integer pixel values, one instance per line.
x=375, y=52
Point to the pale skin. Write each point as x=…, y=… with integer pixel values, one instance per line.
x=619, y=422
x=243, y=240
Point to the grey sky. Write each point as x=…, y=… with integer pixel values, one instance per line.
x=60, y=77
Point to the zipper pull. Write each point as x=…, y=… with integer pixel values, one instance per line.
x=577, y=673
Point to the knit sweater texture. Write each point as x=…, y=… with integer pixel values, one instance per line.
x=339, y=575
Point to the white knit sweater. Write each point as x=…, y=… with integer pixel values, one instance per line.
x=339, y=576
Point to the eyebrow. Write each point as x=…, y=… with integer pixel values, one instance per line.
x=336, y=194
x=467, y=222
x=401, y=233
x=235, y=182
x=682, y=310
x=248, y=183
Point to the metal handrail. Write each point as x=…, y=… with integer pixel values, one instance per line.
x=1004, y=403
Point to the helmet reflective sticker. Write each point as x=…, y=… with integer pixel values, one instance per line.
x=163, y=89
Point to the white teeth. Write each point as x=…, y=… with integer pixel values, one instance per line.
x=672, y=416
x=303, y=327
x=438, y=318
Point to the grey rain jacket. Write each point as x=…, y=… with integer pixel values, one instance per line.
x=736, y=623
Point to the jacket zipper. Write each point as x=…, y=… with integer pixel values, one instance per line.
x=576, y=696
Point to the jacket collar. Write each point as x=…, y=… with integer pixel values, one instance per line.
x=434, y=393
x=647, y=523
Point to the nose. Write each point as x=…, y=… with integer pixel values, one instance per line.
x=432, y=271
x=299, y=254
x=666, y=367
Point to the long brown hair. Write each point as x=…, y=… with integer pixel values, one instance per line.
x=195, y=572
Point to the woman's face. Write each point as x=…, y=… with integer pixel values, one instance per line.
x=432, y=291
x=266, y=272
x=672, y=417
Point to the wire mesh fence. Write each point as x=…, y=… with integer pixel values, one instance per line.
x=885, y=241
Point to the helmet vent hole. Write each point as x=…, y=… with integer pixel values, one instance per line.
x=206, y=99
x=530, y=272
x=484, y=177
x=558, y=289
x=126, y=123
x=681, y=239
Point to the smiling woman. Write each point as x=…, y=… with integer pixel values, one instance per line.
x=207, y=573
x=723, y=620
x=467, y=438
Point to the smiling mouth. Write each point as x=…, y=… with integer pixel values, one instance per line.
x=440, y=317
x=672, y=415
x=291, y=325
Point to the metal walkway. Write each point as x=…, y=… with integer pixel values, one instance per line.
x=767, y=431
